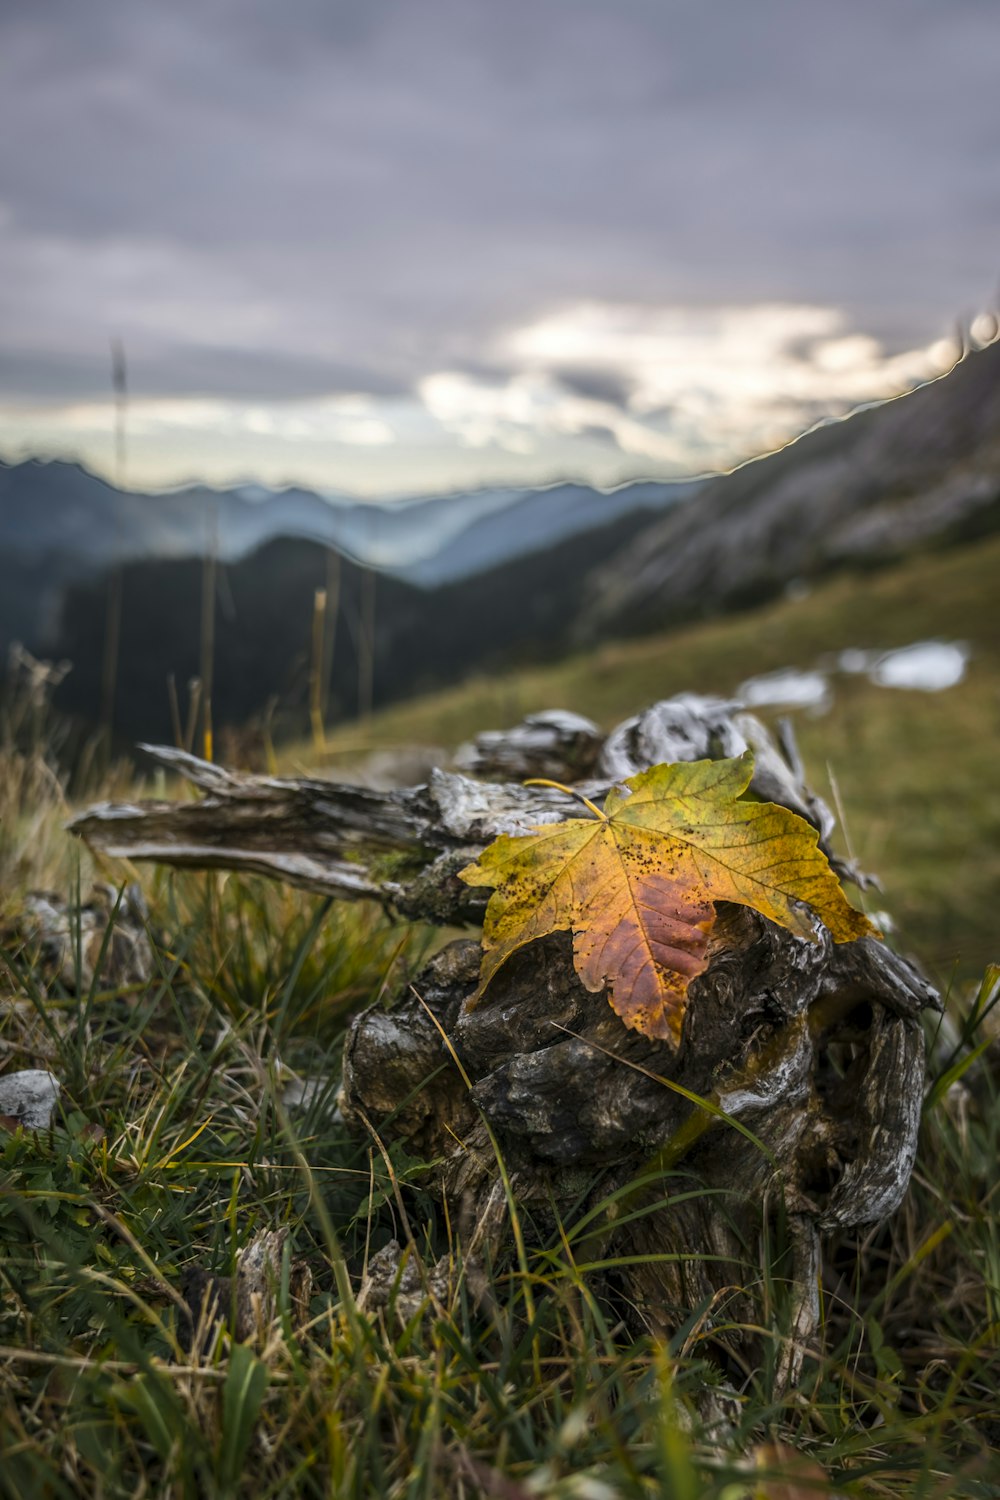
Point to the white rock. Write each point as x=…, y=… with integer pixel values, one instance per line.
x=30, y=1096
x=303, y=1093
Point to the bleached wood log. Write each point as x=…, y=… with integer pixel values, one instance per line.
x=403, y=847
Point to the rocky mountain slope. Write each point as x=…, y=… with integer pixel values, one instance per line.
x=923, y=469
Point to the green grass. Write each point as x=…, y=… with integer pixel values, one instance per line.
x=173, y=1149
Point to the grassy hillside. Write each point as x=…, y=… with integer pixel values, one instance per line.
x=916, y=772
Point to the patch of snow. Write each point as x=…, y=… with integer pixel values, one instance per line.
x=929, y=666
x=788, y=688
x=854, y=661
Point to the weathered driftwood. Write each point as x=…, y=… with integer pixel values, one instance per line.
x=815, y=1048
x=404, y=847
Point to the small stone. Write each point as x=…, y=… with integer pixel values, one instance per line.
x=74, y=943
x=305, y=1093
x=30, y=1097
x=397, y=1277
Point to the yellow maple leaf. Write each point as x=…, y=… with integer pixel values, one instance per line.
x=637, y=884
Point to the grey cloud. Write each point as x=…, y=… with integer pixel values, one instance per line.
x=600, y=434
x=386, y=186
x=181, y=371
x=594, y=384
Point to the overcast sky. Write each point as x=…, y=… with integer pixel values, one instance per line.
x=398, y=245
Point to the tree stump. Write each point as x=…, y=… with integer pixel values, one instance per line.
x=808, y=1056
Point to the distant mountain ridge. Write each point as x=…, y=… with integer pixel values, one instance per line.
x=516, y=612
x=60, y=523
x=921, y=470
x=533, y=520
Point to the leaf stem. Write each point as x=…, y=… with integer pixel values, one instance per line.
x=558, y=787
